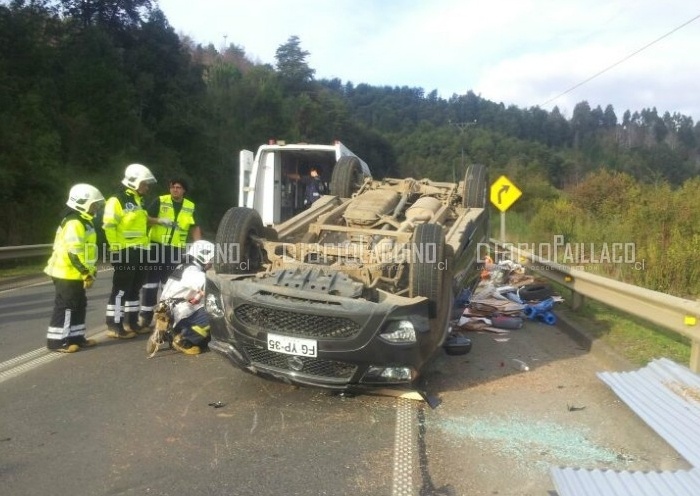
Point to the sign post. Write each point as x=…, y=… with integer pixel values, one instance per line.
x=503, y=194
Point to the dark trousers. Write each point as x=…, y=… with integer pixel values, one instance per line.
x=67, y=324
x=162, y=261
x=195, y=328
x=130, y=269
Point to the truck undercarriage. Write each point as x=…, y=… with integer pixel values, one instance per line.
x=353, y=292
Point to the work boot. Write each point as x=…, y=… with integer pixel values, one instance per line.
x=67, y=348
x=137, y=329
x=184, y=346
x=84, y=342
x=119, y=333
x=145, y=320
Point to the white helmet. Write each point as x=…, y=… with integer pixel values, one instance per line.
x=202, y=252
x=83, y=196
x=135, y=174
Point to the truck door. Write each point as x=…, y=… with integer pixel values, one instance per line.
x=246, y=189
x=268, y=189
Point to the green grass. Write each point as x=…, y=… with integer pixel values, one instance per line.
x=516, y=227
x=632, y=338
x=24, y=268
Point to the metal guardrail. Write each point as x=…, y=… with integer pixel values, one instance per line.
x=670, y=312
x=29, y=251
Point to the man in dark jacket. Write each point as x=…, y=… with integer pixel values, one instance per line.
x=314, y=187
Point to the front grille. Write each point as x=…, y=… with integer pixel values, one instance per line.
x=295, y=324
x=316, y=367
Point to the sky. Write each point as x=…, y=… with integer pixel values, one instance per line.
x=631, y=54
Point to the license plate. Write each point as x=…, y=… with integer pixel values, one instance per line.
x=292, y=346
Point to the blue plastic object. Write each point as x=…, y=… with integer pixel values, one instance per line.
x=541, y=311
x=512, y=296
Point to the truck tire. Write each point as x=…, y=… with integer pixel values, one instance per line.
x=535, y=292
x=428, y=276
x=347, y=177
x=475, y=187
x=233, y=239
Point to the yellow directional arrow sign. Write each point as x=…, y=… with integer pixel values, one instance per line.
x=504, y=193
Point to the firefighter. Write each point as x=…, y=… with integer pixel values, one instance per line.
x=185, y=289
x=173, y=221
x=125, y=223
x=72, y=268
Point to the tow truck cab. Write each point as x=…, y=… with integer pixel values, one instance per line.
x=269, y=180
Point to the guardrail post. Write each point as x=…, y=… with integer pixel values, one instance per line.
x=695, y=356
x=577, y=300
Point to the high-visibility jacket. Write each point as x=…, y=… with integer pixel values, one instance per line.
x=74, y=248
x=125, y=221
x=184, y=219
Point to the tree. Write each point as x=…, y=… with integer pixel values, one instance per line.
x=111, y=14
x=609, y=118
x=291, y=64
x=582, y=123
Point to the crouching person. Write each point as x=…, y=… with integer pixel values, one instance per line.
x=185, y=288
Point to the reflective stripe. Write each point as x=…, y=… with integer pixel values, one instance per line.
x=60, y=333
x=116, y=309
x=201, y=330
x=131, y=306
x=185, y=220
x=67, y=331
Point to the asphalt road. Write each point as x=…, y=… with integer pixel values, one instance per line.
x=109, y=421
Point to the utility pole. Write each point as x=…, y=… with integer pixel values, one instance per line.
x=462, y=126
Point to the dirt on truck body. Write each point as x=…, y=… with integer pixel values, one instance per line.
x=353, y=292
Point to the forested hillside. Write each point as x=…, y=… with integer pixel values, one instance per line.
x=87, y=87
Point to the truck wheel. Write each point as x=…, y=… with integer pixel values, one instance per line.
x=475, y=187
x=535, y=292
x=347, y=177
x=241, y=255
x=429, y=252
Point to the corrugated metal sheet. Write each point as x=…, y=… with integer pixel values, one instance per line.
x=574, y=482
x=666, y=396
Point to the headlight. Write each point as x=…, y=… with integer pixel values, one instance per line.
x=387, y=374
x=213, y=306
x=399, y=331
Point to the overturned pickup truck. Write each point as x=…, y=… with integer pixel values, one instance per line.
x=354, y=292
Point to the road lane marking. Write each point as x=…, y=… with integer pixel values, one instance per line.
x=29, y=361
x=22, y=358
x=403, y=449
x=24, y=363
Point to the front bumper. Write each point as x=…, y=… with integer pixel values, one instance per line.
x=350, y=349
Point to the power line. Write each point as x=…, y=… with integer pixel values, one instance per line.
x=621, y=60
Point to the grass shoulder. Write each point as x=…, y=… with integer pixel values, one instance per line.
x=633, y=338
